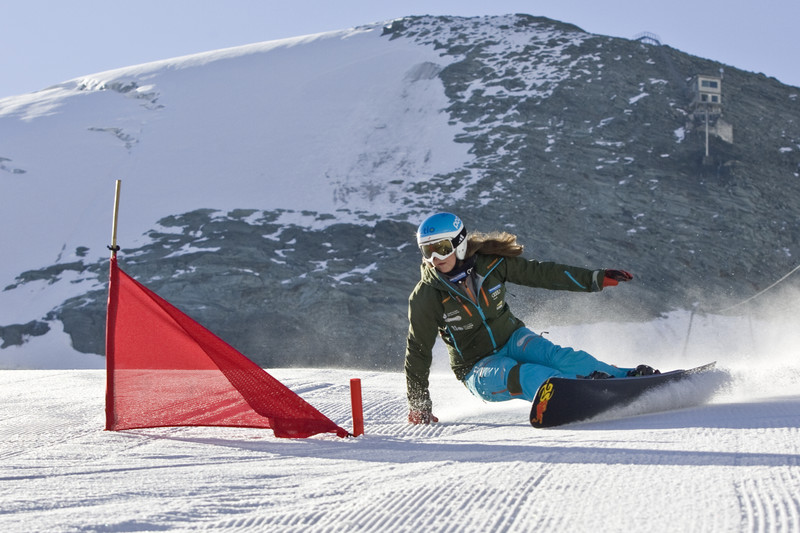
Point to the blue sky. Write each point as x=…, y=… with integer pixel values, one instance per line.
x=44, y=42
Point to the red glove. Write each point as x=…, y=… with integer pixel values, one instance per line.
x=613, y=277
x=421, y=417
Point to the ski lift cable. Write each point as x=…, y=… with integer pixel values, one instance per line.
x=756, y=295
x=720, y=311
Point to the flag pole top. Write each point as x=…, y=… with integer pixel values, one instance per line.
x=114, y=247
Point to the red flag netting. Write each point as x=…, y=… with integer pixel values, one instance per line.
x=165, y=369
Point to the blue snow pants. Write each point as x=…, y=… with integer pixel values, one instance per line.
x=537, y=360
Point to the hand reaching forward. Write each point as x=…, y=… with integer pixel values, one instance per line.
x=613, y=277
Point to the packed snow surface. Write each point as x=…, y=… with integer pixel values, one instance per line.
x=727, y=459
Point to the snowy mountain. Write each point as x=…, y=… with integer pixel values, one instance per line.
x=271, y=191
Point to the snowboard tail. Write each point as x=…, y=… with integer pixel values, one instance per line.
x=562, y=400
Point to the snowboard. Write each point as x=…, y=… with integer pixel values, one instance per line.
x=563, y=400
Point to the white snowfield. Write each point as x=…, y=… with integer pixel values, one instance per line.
x=729, y=464
x=328, y=123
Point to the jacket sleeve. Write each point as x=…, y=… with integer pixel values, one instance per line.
x=423, y=307
x=554, y=276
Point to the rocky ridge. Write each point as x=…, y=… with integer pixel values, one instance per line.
x=583, y=145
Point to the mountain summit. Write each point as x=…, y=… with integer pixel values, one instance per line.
x=271, y=191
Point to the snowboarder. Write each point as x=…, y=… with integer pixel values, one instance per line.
x=462, y=296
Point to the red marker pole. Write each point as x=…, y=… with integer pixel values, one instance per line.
x=357, y=406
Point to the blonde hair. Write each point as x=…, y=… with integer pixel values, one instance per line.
x=494, y=243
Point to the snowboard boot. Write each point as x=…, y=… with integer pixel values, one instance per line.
x=642, y=370
x=597, y=374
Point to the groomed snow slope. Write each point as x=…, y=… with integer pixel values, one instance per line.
x=732, y=464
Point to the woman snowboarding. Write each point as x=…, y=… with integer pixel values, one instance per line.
x=461, y=296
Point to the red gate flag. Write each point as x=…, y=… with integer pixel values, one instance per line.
x=165, y=369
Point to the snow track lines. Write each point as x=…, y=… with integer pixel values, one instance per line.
x=732, y=465
x=770, y=501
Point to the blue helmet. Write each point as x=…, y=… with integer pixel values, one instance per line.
x=440, y=235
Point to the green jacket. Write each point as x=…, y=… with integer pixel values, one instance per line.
x=474, y=326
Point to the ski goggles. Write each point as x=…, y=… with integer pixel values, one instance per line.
x=439, y=249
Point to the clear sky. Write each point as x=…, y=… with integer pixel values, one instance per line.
x=44, y=42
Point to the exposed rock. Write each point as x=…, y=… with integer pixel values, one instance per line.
x=585, y=148
x=17, y=334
